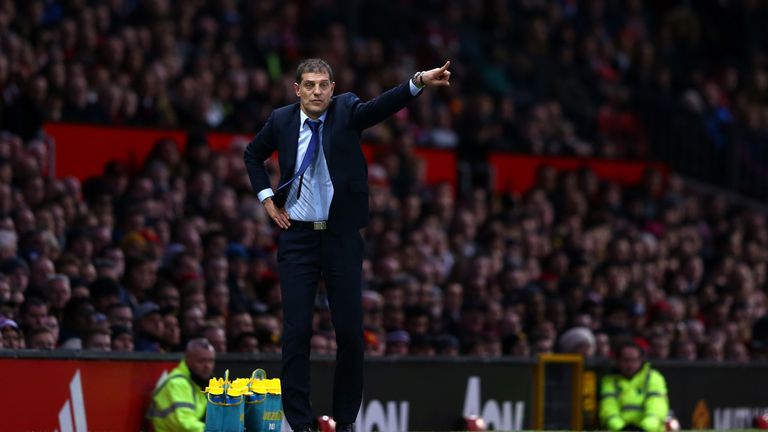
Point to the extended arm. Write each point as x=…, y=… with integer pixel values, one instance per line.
x=367, y=114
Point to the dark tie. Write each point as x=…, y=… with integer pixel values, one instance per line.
x=309, y=156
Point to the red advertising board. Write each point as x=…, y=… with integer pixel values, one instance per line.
x=83, y=150
x=517, y=173
x=77, y=395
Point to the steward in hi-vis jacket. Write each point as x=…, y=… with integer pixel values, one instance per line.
x=634, y=398
x=178, y=403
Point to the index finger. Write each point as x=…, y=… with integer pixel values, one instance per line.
x=445, y=66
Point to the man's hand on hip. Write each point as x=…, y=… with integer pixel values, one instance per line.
x=438, y=77
x=279, y=215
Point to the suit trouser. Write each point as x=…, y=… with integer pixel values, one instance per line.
x=304, y=256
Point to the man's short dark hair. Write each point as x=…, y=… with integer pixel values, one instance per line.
x=198, y=343
x=90, y=335
x=626, y=342
x=313, y=65
x=31, y=301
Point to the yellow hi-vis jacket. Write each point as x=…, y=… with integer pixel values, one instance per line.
x=178, y=404
x=640, y=401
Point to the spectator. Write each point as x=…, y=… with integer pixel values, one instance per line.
x=578, y=340
x=39, y=272
x=239, y=323
x=77, y=320
x=7, y=303
x=320, y=344
x=122, y=339
x=168, y=297
x=58, y=293
x=398, y=343
x=447, y=346
x=97, y=340
x=192, y=320
x=105, y=292
x=140, y=276
x=40, y=338
x=421, y=345
x=8, y=241
x=171, y=339
x=268, y=332
x=12, y=336
x=32, y=313
x=17, y=271
x=216, y=336
x=120, y=315
x=246, y=342
x=149, y=326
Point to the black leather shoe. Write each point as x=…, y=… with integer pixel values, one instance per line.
x=305, y=429
x=345, y=427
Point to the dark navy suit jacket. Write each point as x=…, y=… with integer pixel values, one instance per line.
x=346, y=119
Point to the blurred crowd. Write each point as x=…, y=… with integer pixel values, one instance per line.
x=683, y=81
x=147, y=259
x=547, y=76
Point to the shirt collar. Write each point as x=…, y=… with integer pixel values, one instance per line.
x=303, y=117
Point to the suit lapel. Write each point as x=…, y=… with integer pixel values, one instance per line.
x=291, y=144
x=327, y=134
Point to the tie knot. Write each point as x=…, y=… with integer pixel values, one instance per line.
x=314, y=125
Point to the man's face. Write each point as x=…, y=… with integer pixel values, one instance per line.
x=153, y=325
x=169, y=297
x=123, y=343
x=200, y=361
x=314, y=92
x=172, y=333
x=192, y=320
x=43, y=341
x=101, y=342
x=60, y=293
x=630, y=360
x=240, y=323
x=11, y=338
x=19, y=279
x=35, y=316
x=218, y=339
x=249, y=345
x=121, y=316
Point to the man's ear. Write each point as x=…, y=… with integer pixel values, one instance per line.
x=297, y=89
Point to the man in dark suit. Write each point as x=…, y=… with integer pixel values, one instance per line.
x=321, y=203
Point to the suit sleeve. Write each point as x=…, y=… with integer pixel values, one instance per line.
x=257, y=152
x=656, y=403
x=367, y=114
x=610, y=410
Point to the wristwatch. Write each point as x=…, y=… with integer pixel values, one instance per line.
x=417, y=80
